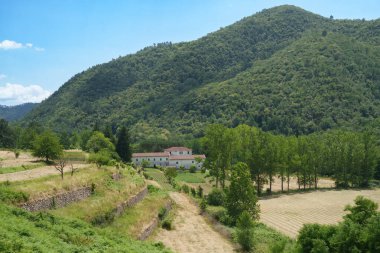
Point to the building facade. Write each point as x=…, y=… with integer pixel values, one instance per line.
x=171, y=157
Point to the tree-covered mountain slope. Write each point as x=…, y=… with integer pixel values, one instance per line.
x=16, y=112
x=283, y=69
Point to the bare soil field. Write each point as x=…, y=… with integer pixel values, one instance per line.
x=35, y=173
x=276, y=185
x=288, y=213
x=8, y=159
x=191, y=232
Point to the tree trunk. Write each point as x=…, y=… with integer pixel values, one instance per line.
x=270, y=182
x=282, y=182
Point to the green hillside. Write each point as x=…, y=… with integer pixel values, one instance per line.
x=283, y=69
x=12, y=113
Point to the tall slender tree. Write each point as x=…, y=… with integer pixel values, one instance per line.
x=123, y=147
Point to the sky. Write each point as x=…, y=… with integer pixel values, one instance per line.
x=43, y=43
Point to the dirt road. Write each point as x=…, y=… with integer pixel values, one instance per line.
x=35, y=173
x=191, y=232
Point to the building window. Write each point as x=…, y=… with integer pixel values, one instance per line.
x=188, y=152
x=148, y=159
x=154, y=159
x=160, y=159
x=181, y=153
x=137, y=160
x=176, y=162
x=192, y=161
x=167, y=159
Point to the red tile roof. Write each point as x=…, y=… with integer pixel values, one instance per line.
x=155, y=154
x=177, y=149
x=185, y=157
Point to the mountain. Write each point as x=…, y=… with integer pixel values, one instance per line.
x=283, y=69
x=16, y=112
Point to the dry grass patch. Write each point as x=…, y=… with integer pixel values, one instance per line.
x=288, y=213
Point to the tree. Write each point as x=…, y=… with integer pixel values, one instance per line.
x=123, y=145
x=103, y=157
x=170, y=174
x=98, y=142
x=241, y=195
x=60, y=165
x=47, y=146
x=244, y=231
x=7, y=136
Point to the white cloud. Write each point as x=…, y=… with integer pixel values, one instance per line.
x=2, y=76
x=18, y=93
x=9, y=44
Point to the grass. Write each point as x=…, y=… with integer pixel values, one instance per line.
x=6, y=170
x=159, y=177
x=188, y=177
x=42, y=232
x=136, y=218
x=97, y=209
x=78, y=156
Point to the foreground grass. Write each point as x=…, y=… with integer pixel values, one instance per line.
x=6, y=170
x=136, y=218
x=43, y=232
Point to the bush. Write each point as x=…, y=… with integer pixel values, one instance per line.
x=162, y=213
x=185, y=188
x=203, y=170
x=200, y=191
x=152, y=188
x=193, y=192
x=216, y=197
x=244, y=231
x=12, y=197
x=167, y=224
x=193, y=169
x=203, y=205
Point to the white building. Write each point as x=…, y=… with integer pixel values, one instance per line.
x=171, y=157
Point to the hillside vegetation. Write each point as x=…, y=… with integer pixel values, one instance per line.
x=13, y=113
x=283, y=69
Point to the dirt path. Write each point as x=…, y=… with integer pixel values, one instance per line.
x=35, y=173
x=191, y=232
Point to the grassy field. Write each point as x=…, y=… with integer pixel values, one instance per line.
x=108, y=194
x=288, y=213
x=134, y=219
x=159, y=177
x=75, y=155
x=5, y=170
x=188, y=177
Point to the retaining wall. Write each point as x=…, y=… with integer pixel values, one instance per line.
x=57, y=201
x=148, y=230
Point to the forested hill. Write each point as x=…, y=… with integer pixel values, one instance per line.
x=16, y=112
x=282, y=69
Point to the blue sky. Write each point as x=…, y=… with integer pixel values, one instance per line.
x=44, y=43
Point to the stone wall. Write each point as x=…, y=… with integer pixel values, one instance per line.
x=57, y=201
x=130, y=202
x=148, y=229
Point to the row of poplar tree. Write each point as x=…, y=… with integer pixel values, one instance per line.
x=350, y=158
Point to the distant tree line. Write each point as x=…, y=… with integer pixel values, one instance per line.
x=350, y=158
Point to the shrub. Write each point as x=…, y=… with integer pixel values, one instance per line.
x=162, y=213
x=203, y=205
x=200, y=191
x=152, y=188
x=244, y=231
x=167, y=224
x=193, y=169
x=203, y=170
x=193, y=192
x=216, y=197
x=9, y=196
x=185, y=188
